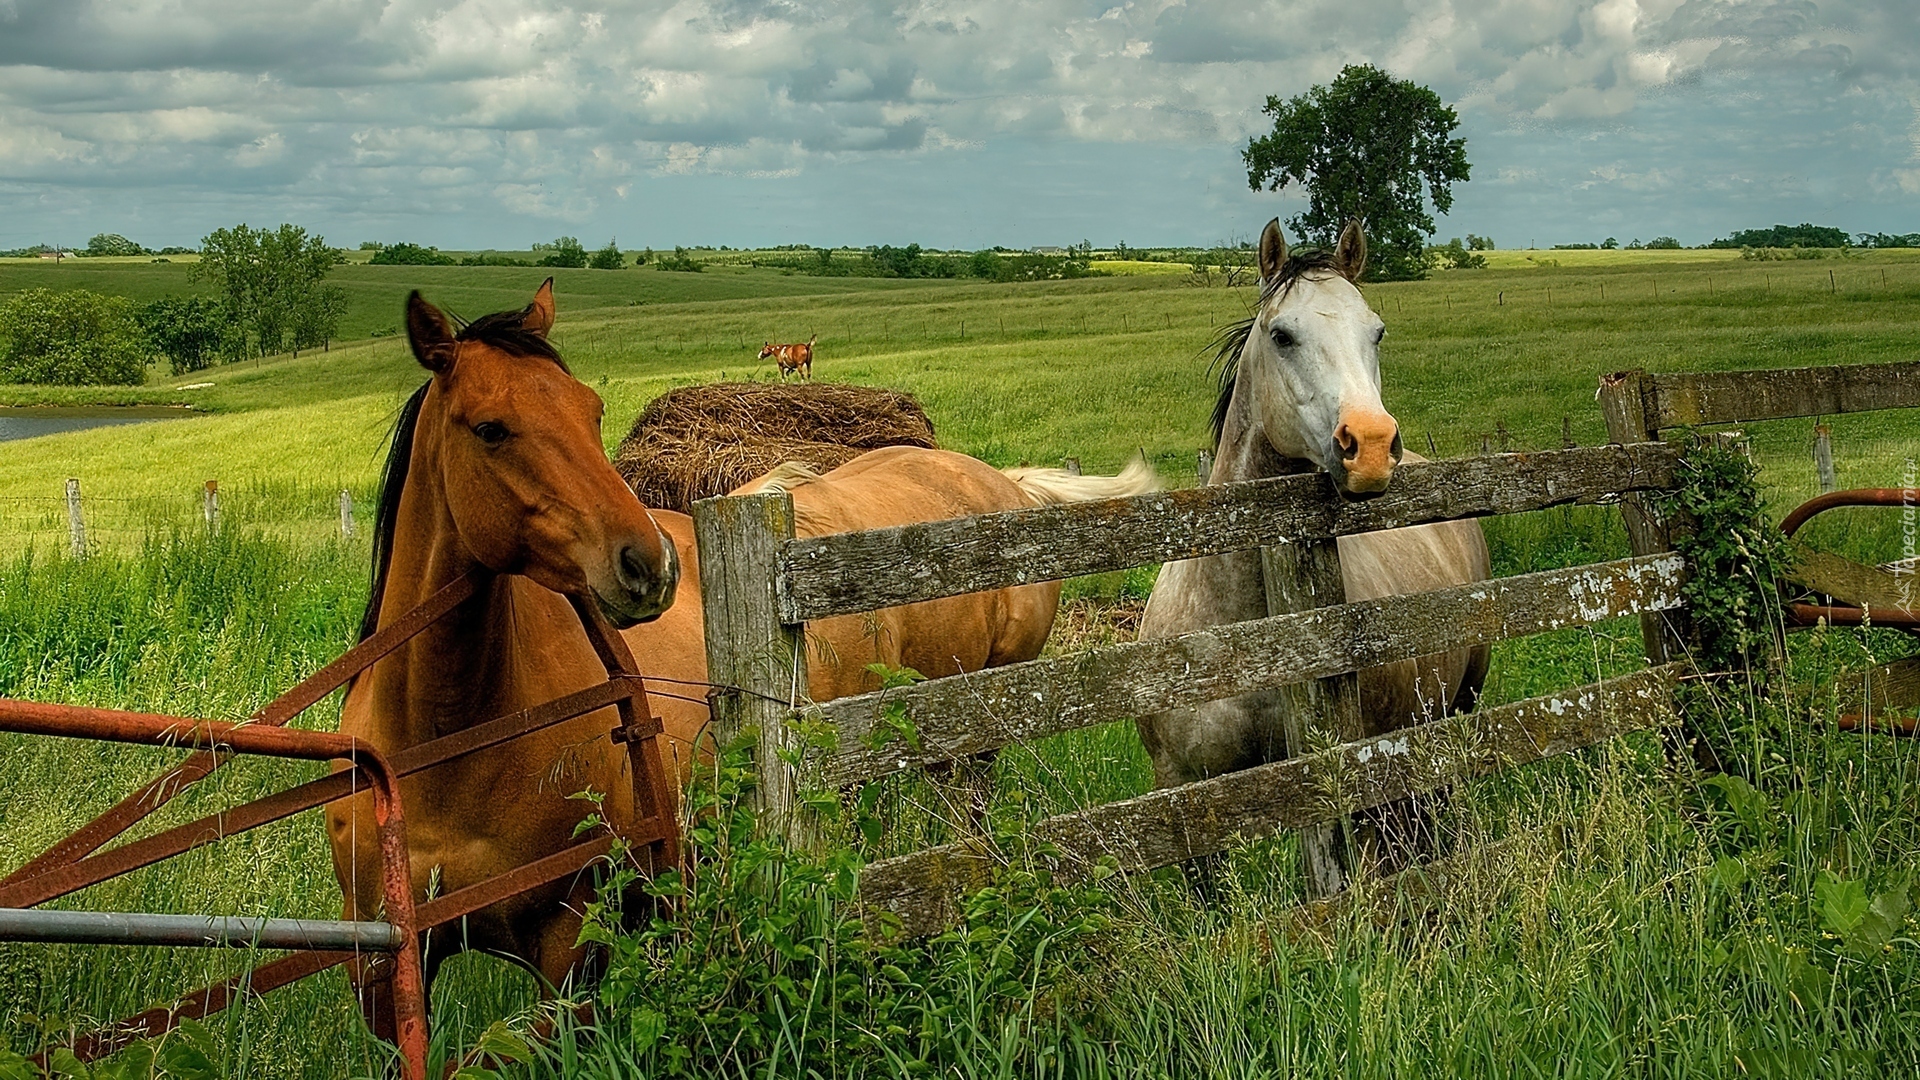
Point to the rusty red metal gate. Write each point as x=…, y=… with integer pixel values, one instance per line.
x=77, y=862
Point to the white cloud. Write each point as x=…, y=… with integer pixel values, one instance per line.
x=546, y=107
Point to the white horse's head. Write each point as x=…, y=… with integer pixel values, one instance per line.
x=1312, y=361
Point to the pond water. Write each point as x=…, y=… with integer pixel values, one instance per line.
x=30, y=422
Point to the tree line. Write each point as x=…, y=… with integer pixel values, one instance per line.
x=564, y=251
x=269, y=295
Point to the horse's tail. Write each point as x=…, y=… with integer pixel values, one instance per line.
x=1045, y=486
x=811, y=340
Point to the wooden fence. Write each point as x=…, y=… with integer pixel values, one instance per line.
x=769, y=584
x=1640, y=407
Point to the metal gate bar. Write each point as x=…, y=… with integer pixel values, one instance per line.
x=194, y=931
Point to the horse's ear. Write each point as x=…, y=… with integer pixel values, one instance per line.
x=429, y=333
x=1350, y=258
x=539, y=317
x=1273, y=251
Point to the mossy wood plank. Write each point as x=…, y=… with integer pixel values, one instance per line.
x=1739, y=397
x=967, y=714
x=922, y=890
x=852, y=572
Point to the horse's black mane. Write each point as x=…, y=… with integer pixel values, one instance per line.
x=1232, y=338
x=503, y=330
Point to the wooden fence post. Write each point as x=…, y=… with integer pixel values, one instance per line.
x=346, y=513
x=1204, y=466
x=1072, y=466
x=1623, y=402
x=210, y=505
x=1823, y=457
x=1626, y=400
x=758, y=662
x=76, y=524
x=1298, y=577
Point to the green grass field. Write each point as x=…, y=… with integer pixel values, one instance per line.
x=1643, y=927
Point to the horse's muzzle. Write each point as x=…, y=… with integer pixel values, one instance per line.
x=645, y=589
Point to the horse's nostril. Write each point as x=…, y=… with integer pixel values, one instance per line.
x=1343, y=438
x=633, y=568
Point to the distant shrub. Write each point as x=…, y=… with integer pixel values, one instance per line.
x=681, y=260
x=1774, y=254
x=112, y=244
x=1454, y=256
x=404, y=254
x=493, y=260
x=187, y=331
x=565, y=251
x=1663, y=243
x=1576, y=247
x=607, y=258
x=73, y=338
x=176, y=250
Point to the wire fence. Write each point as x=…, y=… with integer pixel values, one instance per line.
x=78, y=519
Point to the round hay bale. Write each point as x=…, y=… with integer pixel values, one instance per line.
x=695, y=442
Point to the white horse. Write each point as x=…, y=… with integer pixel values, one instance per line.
x=1302, y=391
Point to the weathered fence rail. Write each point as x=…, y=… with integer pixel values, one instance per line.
x=770, y=584
x=854, y=572
x=984, y=710
x=1176, y=824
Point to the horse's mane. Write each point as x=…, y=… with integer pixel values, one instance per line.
x=503, y=330
x=1232, y=338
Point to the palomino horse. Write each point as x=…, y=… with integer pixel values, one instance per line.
x=1303, y=392
x=498, y=469
x=791, y=358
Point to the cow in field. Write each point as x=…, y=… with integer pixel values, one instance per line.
x=797, y=357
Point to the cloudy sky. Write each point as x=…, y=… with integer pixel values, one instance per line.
x=954, y=123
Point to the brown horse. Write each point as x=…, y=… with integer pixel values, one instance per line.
x=797, y=357
x=498, y=468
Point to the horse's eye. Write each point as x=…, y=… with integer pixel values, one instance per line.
x=1379, y=335
x=491, y=432
x=1282, y=339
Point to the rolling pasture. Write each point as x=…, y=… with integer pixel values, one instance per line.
x=1635, y=922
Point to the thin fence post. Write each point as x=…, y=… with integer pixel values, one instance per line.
x=346, y=513
x=1823, y=457
x=1204, y=465
x=210, y=505
x=756, y=663
x=1566, y=433
x=76, y=523
x=1072, y=466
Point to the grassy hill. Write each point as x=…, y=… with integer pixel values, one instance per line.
x=1097, y=368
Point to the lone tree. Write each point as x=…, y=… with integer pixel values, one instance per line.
x=1368, y=146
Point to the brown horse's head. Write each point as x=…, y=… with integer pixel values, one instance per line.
x=515, y=441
